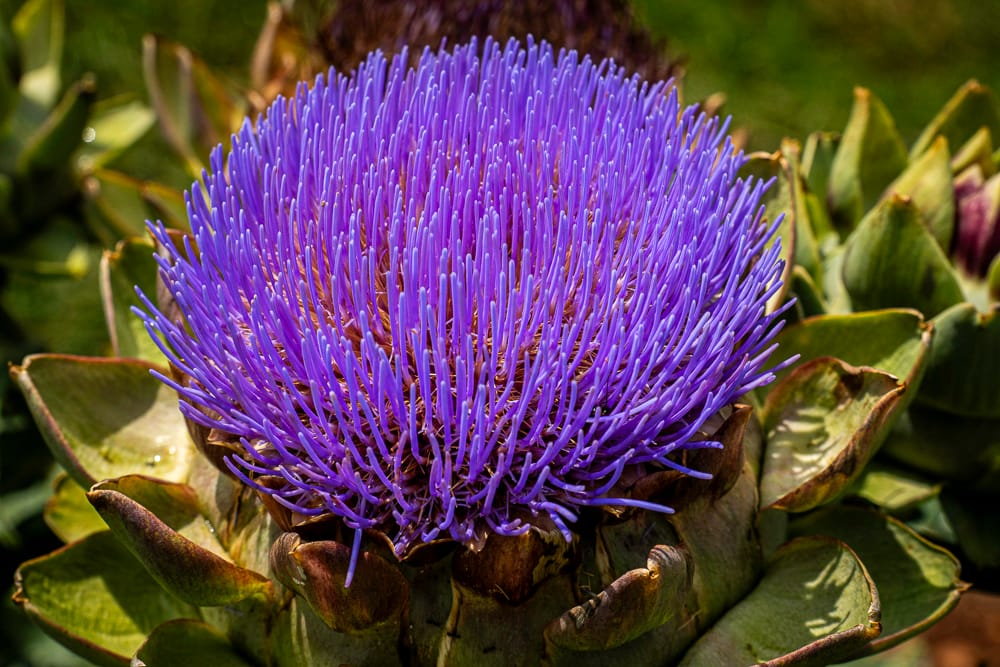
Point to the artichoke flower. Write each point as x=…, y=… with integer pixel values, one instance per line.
x=883, y=227
x=459, y=350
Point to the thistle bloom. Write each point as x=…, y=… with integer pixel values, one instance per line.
x=462, y=297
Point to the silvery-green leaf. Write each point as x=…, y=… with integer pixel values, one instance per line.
x=927, y=181
x=870, y=154
x=893, y=260
x=963, y=371
x=917, y=581
x=815, y=605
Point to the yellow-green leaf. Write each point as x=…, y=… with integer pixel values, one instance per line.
x=68, y=513
x=95, y=598
x=39, y=27
x=895, y=341
x=104, y=418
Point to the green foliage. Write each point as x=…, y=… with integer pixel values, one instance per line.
x=786, y=67
x=921, y=235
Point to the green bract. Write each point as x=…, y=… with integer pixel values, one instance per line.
x=881, y=227
x=192, y=569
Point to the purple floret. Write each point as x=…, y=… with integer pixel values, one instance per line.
x=441, y=301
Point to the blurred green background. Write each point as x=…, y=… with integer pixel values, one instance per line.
x=786, y=67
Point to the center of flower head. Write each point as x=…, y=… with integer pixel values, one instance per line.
x=446, y=300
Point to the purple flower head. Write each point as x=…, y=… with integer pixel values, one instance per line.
x=445, y=300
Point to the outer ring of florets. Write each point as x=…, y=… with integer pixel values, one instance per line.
x=447, y=299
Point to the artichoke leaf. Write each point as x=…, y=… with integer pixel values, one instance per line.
x=809, y=301
x=39, y=27
x=95, y=598
x=238, y=519
x=928, y=183
x=131, y=263
x=977, y=151
x=895, y=341
x=68, y=514
x=300, y=637
x=971, y=108
x=115, y=208
x=963, y=372
x=918, y=582
x=720, y=535
x=823, y=423
x=807, y=252
x=893, y=260
x=377, y=597
x=977, y=530
x=647, y=611
x=193, y=108
x=815, y=605
x=113, y=128
x=870, y=154
x=512, y=581
x=779, y=201
x=893, y=489
x=948, y=446
x=837, y=299
x=694, y=569
x=817, y=159
x=187, y=642
x=51, y=144
x=104, y=418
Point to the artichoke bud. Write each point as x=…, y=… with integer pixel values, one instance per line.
x=977, y=238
